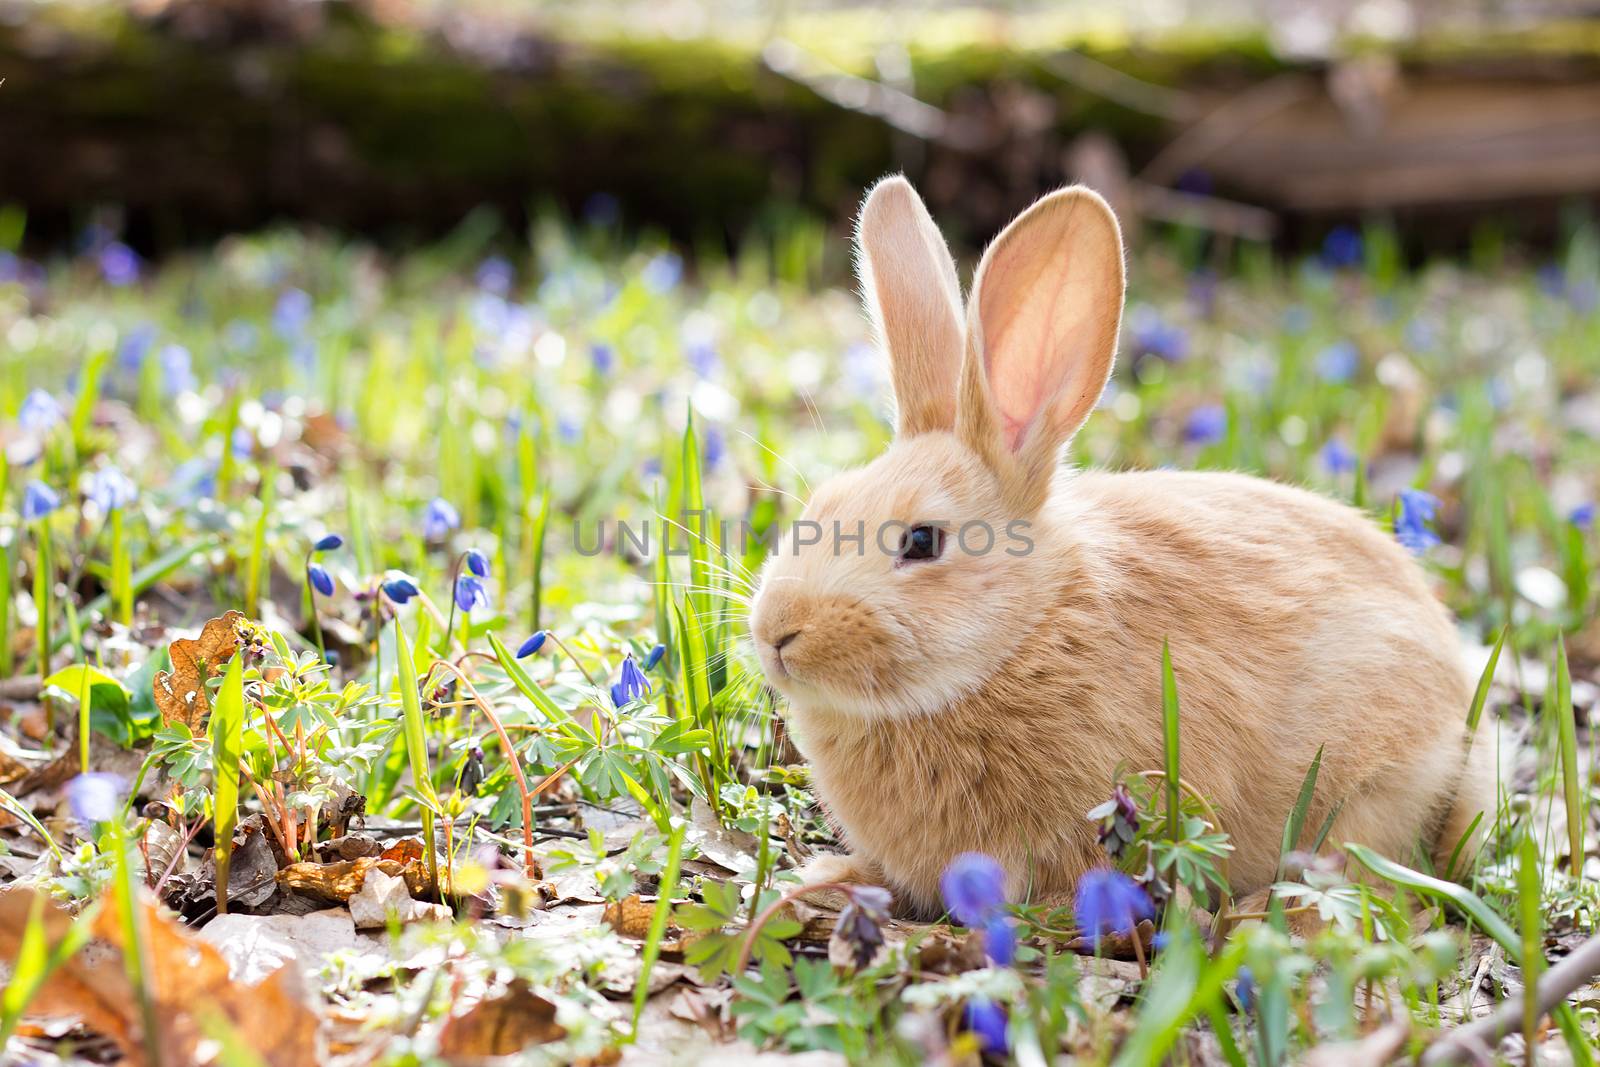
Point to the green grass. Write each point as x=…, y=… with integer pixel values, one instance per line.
x=606, y=388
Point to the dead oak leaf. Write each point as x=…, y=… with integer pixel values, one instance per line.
x=181, y=692
x=501, y=1025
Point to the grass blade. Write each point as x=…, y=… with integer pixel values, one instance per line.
x=1528, y=908
x=227, y=743
x=1429, y=886
x=1481, y=696
x=658, y=922
x=1169, y=736
x=1302, y=805
x=1567, y=732
x=416, y=740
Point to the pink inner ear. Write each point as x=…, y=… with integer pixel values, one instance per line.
x=1035, y=320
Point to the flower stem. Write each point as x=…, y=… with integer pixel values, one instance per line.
x=311, y=606
x=772, y=909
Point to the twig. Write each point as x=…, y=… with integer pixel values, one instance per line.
x=772, y=909
x=1120, y=87
x=1473, y=1041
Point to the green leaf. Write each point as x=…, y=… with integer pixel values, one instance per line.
x=1481, y=696
x=1169, y=737
x=1302, y=805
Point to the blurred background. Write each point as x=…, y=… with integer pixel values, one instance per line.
x=172, y=121
x=305, y=261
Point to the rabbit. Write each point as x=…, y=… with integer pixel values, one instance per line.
x=950, y=698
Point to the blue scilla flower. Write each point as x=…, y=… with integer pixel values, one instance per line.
x=1245, y=989
x=986, y=1019
x=400, y=590
x=654, y=657
x=1109, y=902
x=1342, y=248
x=40, y=412
x=328, y=542
x=38, y=500
x=496, y=275
x=1337, y=457
x=477, y=563
x=136, y=346
x=702, y=357
x=438, y=519
x=1153, y=335
x=631, y=685
x=1582, y=516
x=292, y=313
x=974, y=888
x=532, y=644
x=95, y=796
x=604, y=357
x=1206, y=424
x=1338, y=362
x=663, y=272
x=1000, y=939
x=119, y=264
x=111, y=490
x=1416, y=508
x=177, y=370
x=715, y=447
x=321, y=580
x=470, y=593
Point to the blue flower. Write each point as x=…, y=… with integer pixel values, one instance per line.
x=400, y=590
x=602, y=209
x=1582, y=516
x=439, y=519
x=95, y=796
x=631, y=685
x=328, y=542
x=1154, y=336
x=119, y=264
x=111, y=490
x=136, y=346
x=1342, y=248
x=477, y=563
x=531, y=645
x=470, y=593
x=40, y=412
x=716, y=446
x=38, y=500
x=1109, y=902
x=604, y=357
x=496, y=275
x=987, y=1020
x=176, y=369
x=1000, y=939
x=1338, y=362
x=654, y=657
x=1245, y=989
x=1416, y=508
x=291, y=313
x=702, y=356
x=974, y=888
x=663, y=272
x=321, y=580
x=1206, y=424
x=1337, y=458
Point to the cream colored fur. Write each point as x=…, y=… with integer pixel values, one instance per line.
x=986, y=700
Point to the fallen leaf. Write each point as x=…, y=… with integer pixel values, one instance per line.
x=383, y=897
x=631, y=917
x=501, y=1025
x=188, y=980
x=181, y=692
x=338, y=882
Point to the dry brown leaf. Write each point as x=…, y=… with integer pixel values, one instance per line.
x=181, y=692
x=631, y=917
x=187, y=979
x=501, y=1025
x=340, y=881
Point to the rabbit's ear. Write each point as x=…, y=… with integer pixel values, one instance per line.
x=1042, y=324
x=908, y=283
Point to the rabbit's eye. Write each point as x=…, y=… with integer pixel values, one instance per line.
x=922, y=542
